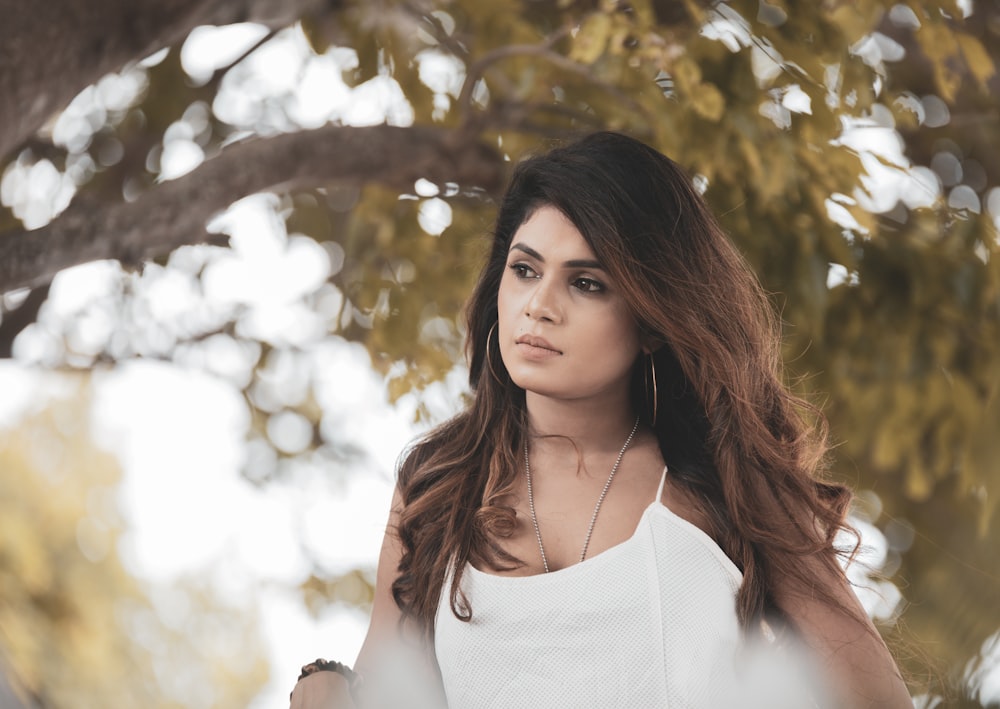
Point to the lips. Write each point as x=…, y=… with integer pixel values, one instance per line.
x=537, y=342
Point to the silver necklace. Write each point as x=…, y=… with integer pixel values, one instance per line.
x=597, y=507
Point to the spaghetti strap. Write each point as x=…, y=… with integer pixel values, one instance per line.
x=659, y=490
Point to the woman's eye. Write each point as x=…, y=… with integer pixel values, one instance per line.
x=588, y=285
x=522, y=270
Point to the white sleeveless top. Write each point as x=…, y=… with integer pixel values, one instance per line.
x=650, y=622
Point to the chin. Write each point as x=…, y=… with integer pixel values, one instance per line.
x=546, y=387
x=542, y=386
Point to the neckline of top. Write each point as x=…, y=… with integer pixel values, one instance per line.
x=656, y=506
x=589, y=561
x=658, y=500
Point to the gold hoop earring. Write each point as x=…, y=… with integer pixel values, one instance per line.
x=652, y=372
x=489, y=360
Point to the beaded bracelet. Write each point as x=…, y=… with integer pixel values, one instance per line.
x=320, y=665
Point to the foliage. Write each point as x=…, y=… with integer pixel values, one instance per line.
x=848, y=148
x=76, y=629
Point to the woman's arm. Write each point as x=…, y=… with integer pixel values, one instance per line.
x=858, y=667
x=387, y=649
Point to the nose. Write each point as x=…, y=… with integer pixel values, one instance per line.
x=544, y=302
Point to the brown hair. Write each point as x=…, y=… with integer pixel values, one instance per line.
x=728, y=427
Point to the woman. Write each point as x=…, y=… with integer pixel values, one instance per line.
x=630, y=501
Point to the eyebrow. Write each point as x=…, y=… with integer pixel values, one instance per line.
x=572, y=263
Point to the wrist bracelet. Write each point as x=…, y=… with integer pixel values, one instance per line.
x=320, y=665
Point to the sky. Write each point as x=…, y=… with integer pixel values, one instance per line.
x=188, y=507
x=190, y=510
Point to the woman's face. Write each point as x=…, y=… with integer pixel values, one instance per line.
x=564, y=329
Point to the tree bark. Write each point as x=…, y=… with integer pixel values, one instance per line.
x=175, y=213
x=50, y=51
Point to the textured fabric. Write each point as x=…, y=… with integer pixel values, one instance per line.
x=650, y=622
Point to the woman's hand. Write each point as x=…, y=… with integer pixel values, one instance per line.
x=322, y=690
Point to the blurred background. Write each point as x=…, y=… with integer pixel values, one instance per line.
x=236, y=238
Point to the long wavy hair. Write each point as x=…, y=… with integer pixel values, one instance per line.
x=729, y=429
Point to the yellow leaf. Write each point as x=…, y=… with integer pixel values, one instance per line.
x=592, y=39
x=918, y=484
x=941, y=48
x=642, y=15
x=886, y=453
x=851, y=22
x=937, y=41
x=686, y=74
x=753, y=160
x=979, y=61
x=696, y=12
x=708, y=102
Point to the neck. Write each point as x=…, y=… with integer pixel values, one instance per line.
x=590, y=426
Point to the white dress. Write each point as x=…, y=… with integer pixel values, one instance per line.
x=650, y=622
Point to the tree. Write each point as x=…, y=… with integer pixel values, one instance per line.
x=77, y=629
x=883, y=257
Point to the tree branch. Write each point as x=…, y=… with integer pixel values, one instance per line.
x=476, y=69
x=438, y=30
x=544, y=52
x=174, y=213
x=50, y=51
